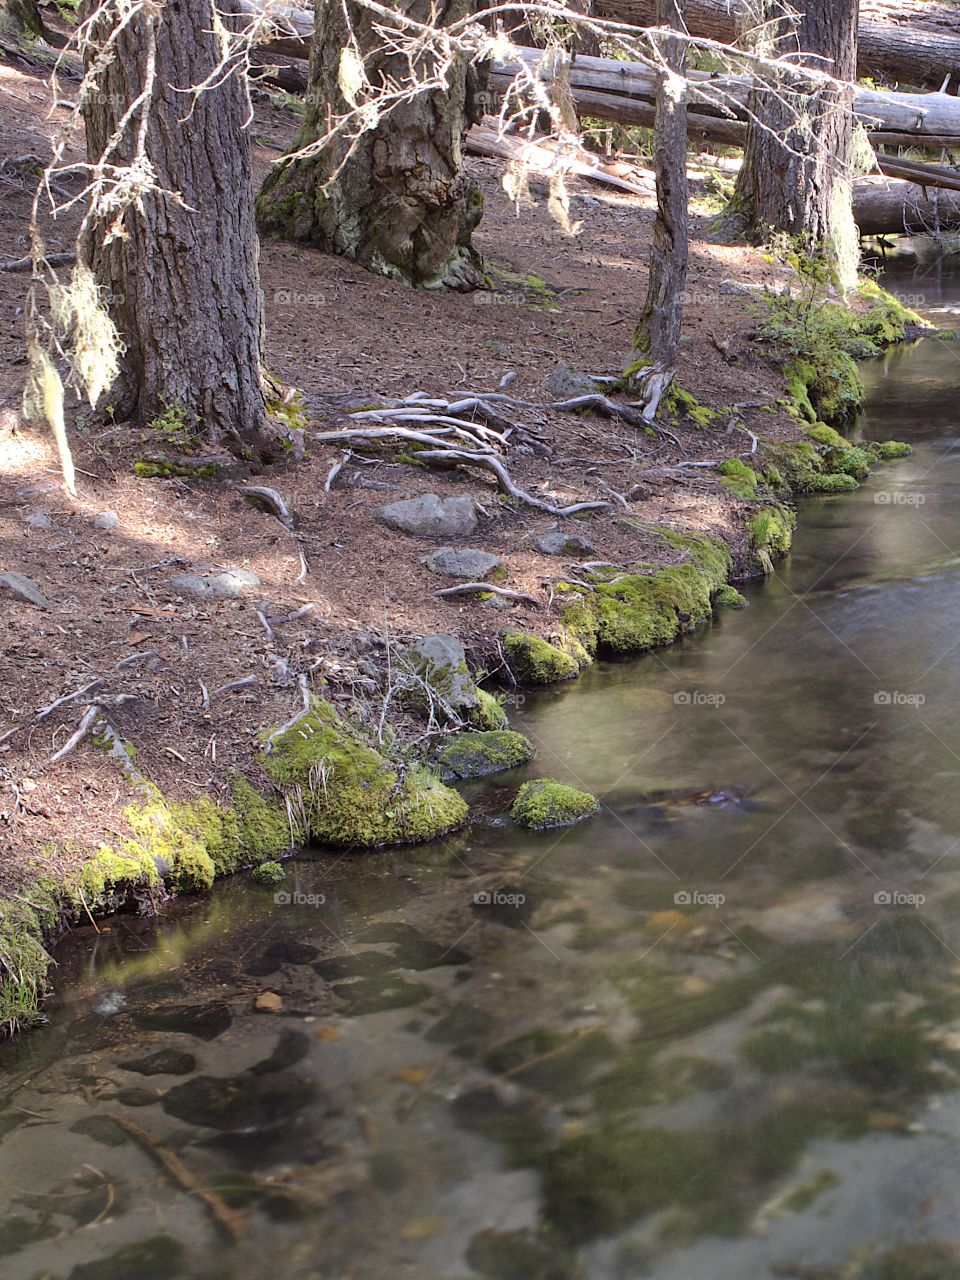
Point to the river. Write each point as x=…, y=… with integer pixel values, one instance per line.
x=713, y=1034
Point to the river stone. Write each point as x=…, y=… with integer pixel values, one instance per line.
x=218, y=586
x=558, y=543
x=165, y=1062
x=431, y=516
x=442, y=664
x=564, y=383
x=238, y=1102
x=205, y=1021
x=24, y=588
x=466, y=563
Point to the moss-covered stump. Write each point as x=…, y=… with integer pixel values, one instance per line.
x=634, y=612
x=350, y=794
x=475, y=755
x=536, y=661
x=545, y=804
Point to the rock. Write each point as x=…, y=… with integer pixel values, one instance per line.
x=223, y=585
x=475, y=755
x=38, y=520
x=239, y=1102
x=431, y=516
x=107, y=520
x=268, y=1002
x=205, y=1021
x=545, y=804
x=536, y=661
x=565, y=382
x=441, y=662
x=24, y=588
x=165, y=1062
x=466, y=563
x=740, y=289
x=572, y=545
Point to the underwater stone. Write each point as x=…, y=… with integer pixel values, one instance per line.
x=165, y=1062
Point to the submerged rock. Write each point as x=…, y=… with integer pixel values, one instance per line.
x=165, y=1062
x=205, y=1021
x=544, y=804
x=158, y=1258
x=468, y=563
x=476, y=755
x=238, y=1102
x=431, y=516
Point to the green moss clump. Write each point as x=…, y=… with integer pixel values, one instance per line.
x=598, y=1183
x=835, y=482
x=638, y=611
x=536, y=661
x=683, y=405
x=269, y=873
x=263, y=825
x=887, y=450
x=350, y=794
x=738, y=478
x=156, y=470
x=772, y=530
x=799, y=464
x=729, y=598
x=855, y=462
x=475, y=755
x=173, y=843
x=489, y=713
x=827, y=436
x=109, y=877
x=545, y=804
x=24, y=960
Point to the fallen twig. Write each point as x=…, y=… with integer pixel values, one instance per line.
x=50, y=260
x=471, y=588
x=233, y=1224
x=271, y=500
x=234, y=684
x=83, y=728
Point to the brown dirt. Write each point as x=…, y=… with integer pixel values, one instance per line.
x=111, y=592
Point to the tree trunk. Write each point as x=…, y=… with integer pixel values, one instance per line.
x=885, y=206
x=180, y=272
x=658, y=331
x=914, y=44
x=793, y=177
x=25, y=17
x=399, y=203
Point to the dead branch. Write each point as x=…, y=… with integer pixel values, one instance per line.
x=493, y=464
x=471, y=588
x=83, y=728
x=259, y=494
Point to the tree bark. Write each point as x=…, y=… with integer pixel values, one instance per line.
x=914, y=44
x=398, y=202
x=658, y=331
x=793, y=177
x=181, y=272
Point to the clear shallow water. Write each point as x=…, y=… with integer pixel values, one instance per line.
x=718, y=1037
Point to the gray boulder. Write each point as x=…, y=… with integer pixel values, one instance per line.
x=431, y=516
x=441, y=662
x=216, y=586
x=564, y=383
x=466, y=563
x=24, y=588
x=572, y=545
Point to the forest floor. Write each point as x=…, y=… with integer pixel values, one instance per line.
x=106, y=562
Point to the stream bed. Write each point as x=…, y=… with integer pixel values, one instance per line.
x=712, y=1034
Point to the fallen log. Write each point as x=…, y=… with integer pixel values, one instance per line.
x=541, y=155
x=888, y=206
x=907, y=54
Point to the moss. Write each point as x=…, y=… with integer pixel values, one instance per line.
x=600, y=1182
x=544, y=804
x=855, y=462
x=24, y=960
x=263, y=825
x=684, y=406
x=835, y=482
x=109, y=877
x=156, y=470
x=827, y=436
x=475, y=755
x=269, y=873
x=772, y=528
x=887, y=450
x=729, y=598
x=350, y=794
x=635, y=612
x=173, y=843
x=489, y=713
x=536, y=661
x=799, y=464
x=738, y=478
